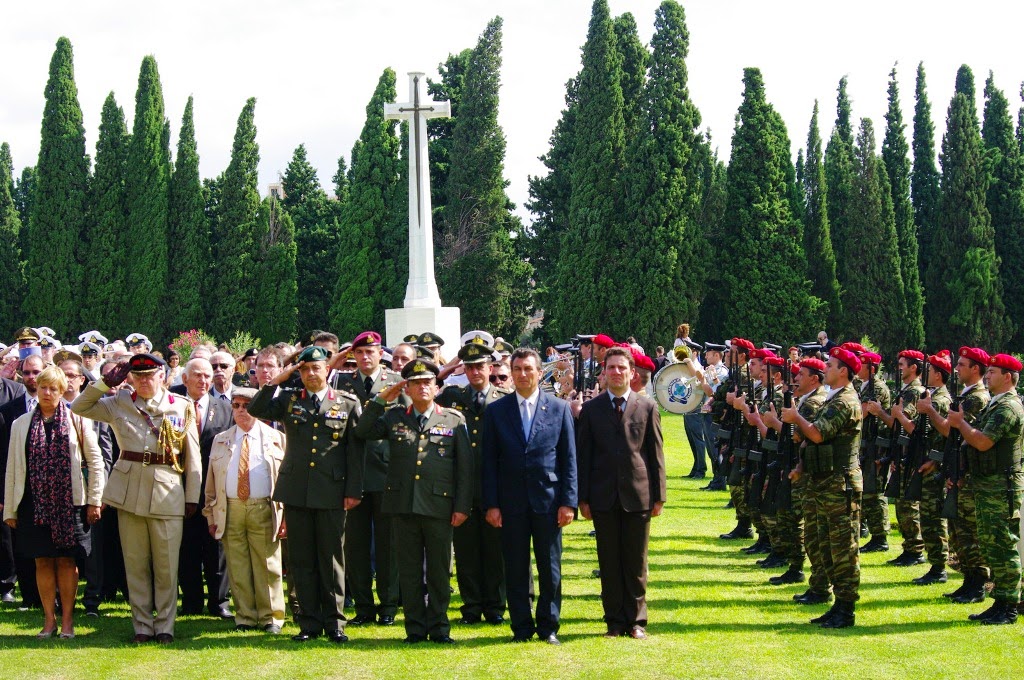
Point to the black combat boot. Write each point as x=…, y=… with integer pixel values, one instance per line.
x=876, y=544
x=761, y=545
x=995, y=610
x=863, y=529
x=742, y=530
x=791, y=575
x=842, y=617
x=1007, y=614
x=717, y=484
x=827, y=615
x=973, y=589
x=811, y=597
x=773, y=561
x=907, y=559
x=935, y=575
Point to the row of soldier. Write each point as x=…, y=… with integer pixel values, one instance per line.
x=301, y=462
x=811, y=446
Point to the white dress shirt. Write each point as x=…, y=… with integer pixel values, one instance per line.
x=259, y=469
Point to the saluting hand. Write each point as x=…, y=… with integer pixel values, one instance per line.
x=285, y=374
x=391, y=393
x=116, y=376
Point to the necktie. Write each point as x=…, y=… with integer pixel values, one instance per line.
x=32, y=401
x=316, y=403
x=619, y=406
x=243, y=470
x=199, y=418
x=423, y=421
x=368, y=385
x=478, y=399
x=527, y=421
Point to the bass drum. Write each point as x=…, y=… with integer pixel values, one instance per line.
x=677, y=388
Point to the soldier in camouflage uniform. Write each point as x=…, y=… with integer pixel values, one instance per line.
x=908, y=513
x=834, y=483
x=739, y=350
x=936, y=401
x=875, y=504
x=963, y=535
x=750, y=449
x=994, y=452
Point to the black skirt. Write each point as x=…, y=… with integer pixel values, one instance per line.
x=33, y=540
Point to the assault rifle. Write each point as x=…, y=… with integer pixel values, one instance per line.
x=869, y=442
x=903, y=459
x=950, y=457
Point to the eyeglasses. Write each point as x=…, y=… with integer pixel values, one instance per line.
x=498, y=378
x=221, y=366
x=238, y=405
x=72, y=376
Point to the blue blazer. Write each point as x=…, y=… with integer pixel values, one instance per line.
x=538, y=474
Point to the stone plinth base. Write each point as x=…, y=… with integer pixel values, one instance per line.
x=444, y=321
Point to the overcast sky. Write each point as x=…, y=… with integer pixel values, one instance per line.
x=312, y=64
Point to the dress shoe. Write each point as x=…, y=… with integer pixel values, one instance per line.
x=361, y=619
x=469, y=620
x=164, y=638
x=413, y=639
x=443, y=639
x=244, y=627
x=190, y=611
x=842, y=617
x=876, y=544
x=699, y=475
x=907, y=559
x=791, y=575
x=386, y=620
x=272, y=628
x=596, y=573
x=221, y=613
x=495, y=619
x=613, y=633
x=592, y=533
x=337, y=637
x=1006, y=614
x=142, y=638
x=638, y=633
x=715, y=485
x=550, y=639
x=303, y=636
x=811, y=597
x=7, y=598
x=740, y=531
x=521, y=638
x=935, y=575
x=92, y=612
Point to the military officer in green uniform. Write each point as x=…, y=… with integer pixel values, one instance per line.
x=830, y=461
x=155, y=483
x=479, y=566
x=429, y=490
x=321, y=478
x=367, y=527
x=994, y=451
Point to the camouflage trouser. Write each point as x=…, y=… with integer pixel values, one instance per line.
x=756, y=518
x=933, y=527
x=908, y=516
x=838, y=528
x=818, y=580
x=876, y=512
x=789, y=528
x=964, y=534
x=997, y=533
x=739, y=502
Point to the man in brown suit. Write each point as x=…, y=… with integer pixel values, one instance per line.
x=622, y=485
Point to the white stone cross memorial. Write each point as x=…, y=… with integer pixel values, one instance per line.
x=422, y=310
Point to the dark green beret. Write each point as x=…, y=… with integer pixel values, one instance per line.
x=313, y=353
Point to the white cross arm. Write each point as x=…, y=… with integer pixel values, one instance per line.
x=428, y=109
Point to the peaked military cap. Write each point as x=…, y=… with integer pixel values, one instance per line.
x=420, y=369
x=95, y=337
x=477, y=338
x=144, y=363
x=429, y=339
x=476, y=354
x=26, y=333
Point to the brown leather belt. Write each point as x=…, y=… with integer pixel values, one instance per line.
x=148, y=458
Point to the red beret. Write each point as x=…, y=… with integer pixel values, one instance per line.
x=976, y=354
x=775, y=361
x=847, y=357
x=761, y=353
x=602, y=340
x=744, y=343
x=813, y=364
x=643, y=361
x=855, y=347
x=366, y=339
x=941, y=360
x=1006, y=361
x=870, y=358
x=912, y=354
x=794, y=367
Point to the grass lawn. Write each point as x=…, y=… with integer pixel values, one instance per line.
x=712, y=614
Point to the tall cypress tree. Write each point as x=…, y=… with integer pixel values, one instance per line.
x=821, y=259
x=355, y=306
x=841, y=207
x=274, y=318
x=896, y=155
x=340, y=180
x=1005, y=202
x=234, y=239
x=766, y=275
x=147, y=180
x=635, y=58
x=58, y=203
x=105, y=265
x=589, y=247
x=316, y=237
x=478, y=249
x=876, y=304
x=189, y=234
x=12, y=279
x=24, y=190
x=966, y=305
x=925, y=191
x=664, y=188
x=440, y=132
x=393, y=239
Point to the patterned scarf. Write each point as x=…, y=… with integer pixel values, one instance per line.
x=49, y=466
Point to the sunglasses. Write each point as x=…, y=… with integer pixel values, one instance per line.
x=221, y=366
x=498, y=378
x=238, y=405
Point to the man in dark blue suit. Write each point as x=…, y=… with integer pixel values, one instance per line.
x=529, y=491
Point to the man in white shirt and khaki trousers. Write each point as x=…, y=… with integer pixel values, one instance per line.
x=244, y=463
